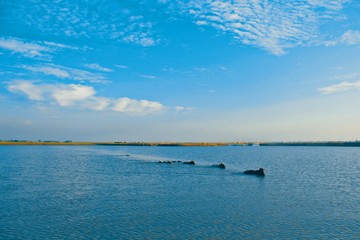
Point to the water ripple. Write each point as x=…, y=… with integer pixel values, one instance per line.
x=97, y=193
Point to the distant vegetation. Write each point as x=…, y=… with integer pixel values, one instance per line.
x=184, y=144
x=40, y=142
x=329, y=144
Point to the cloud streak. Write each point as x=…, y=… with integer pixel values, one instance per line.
x=147, y=76
x=48, y=70
x=272, y=25
x=28, y=88
x=340, y=87
x=67, y=73
x=121, y=66
x=81, y=96
x=97, y=67
x=32, y=49
x=27, y=49
x=350, y=37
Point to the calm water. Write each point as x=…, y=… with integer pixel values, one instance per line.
x=97, y=193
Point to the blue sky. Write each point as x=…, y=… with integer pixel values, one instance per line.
x=161, y=70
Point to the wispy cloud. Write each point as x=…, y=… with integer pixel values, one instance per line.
x=200, y=69
x=272, y=25
x=180, y=109
x=32, y=49
x=97, y=67
x=334, y=5
x=27, y=49
x=81, y=96
x=48, y=70
x=340, y=87
x=343, y=77
x=86, y=76
x=28, y=88
x=147, y=76
x=67, y=73
x=350, y=37
x=140, y=39
x=111, y=20
x=121, y=66
x=60, y=45
x=223, y=68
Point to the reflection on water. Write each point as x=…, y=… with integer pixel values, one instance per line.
x=97, y=192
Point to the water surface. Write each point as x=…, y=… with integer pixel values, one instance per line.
x=95, y=192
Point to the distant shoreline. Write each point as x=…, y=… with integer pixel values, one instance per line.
x=179, y=144
x=185, y=144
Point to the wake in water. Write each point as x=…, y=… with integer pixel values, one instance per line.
x=221, y=165
x=161, y=160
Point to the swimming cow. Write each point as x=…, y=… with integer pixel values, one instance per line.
x=169, y=162
x=259, y=172
x=190, y=163
x=220, y=165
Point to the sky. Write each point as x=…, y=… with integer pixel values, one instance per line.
x=171, y=70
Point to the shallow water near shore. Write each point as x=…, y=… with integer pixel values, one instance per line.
x=96, y=192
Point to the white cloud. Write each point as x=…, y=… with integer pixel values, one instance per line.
x=147, y=42
x=334, y=5
x=180, y=108
x=32, y=49
x=223, y=68
x=137, y=106
x=32, y=91
x=201, y=69
x=68, y=73
x=350, y=37
x=340, y=87
x=82, y=96
x=121, y=66
x=272, y=25
x=330, y=43
x=86, y=76
x=97, y=67
x=24, y=48
x=201, y=22
x=97, y=103
x=147, y=76
x=343, y=77
x=140, y=40
x=67, y=95
x=60, y=73
x=59, y=45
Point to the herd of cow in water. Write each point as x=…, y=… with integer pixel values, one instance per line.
x=259, y=172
